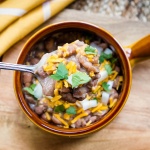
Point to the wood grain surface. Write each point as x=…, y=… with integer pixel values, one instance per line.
x=129, y=131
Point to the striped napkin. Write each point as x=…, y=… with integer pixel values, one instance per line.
x=20, y=17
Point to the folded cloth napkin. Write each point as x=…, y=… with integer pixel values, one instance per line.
x=28, y=22
x=11, y=10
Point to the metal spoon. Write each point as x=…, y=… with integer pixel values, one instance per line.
x=31, y=68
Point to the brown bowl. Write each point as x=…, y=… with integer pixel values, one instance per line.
x=125, y=65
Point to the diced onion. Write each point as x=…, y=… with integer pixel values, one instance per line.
x=86, y=104
x=69, y=80
x=100, y=49
x=103, y=75
x=108, y=51
x=105, y=98
x=110, y=83
x=38, y=92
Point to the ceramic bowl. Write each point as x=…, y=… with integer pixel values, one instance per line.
x=125, y=66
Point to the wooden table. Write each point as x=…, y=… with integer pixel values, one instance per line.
x=129, y=131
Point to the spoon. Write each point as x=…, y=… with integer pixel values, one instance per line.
x=27, y=68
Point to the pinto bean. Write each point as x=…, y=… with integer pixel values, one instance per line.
x=42, y=73
x=27, y=84
x=103, y=45
x=65, y=90
x=86, y=64
x=88, y=112
x=74, y=59
x=55, y=120
x=30, y=99
x=48, y=86
x=71, y=50
x=80, y=93
x=79, y=43
x=116, y=82
x=50, y=110
x=78, y=123
x=92, y=83
x=114, y=94
x=27, y=77
x=87, y=118
x=50, y=45
x=40, y=46
x=40, y=109
x=93, y=119
x=44, y=117
x=34, y=61
x=83, y=122
x=117, y=69
x=95, y=60
x=97, y=76
x=68, y=97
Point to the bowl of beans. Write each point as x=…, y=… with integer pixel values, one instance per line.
x=82, y=84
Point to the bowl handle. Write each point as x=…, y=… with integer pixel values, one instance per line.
x=138, y=51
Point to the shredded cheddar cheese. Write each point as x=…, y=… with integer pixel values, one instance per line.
x=56, y=98
x=97, y=108
x=48, y=116
x=61, y=120
x=78, y=117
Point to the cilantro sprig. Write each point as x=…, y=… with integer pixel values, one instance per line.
x=71, y=110
x=108, y=68
x=59, y=108
x=79, y=78
x=105, y=86
x=61, y=73
x=90, y=50
x=30, y=89
x=104, y=56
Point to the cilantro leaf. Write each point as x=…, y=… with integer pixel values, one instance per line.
x=30, y=89
x=104, y=56
x=105, y=86
x=113, y=60
x=90, y=50
x=79, y=78
x=59, y=108
x=71, y=110
x=108, y=69
x=61, y=73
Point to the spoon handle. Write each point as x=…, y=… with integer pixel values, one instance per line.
x=18, y=67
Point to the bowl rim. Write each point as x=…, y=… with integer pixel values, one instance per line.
x=110, y=115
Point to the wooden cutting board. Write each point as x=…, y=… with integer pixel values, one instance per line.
x=129, y=131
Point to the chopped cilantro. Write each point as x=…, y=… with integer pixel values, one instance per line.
x=30, y=89
x=108, y=69
x=90, y=50
x=105, y=86
x=59, y=108
x=104, y=56
x=79, y=78
x=61, y=73
x=71, y=110
x=113, y=60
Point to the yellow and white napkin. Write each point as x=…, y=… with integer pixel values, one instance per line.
x=29, y=21
x=11, y=10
